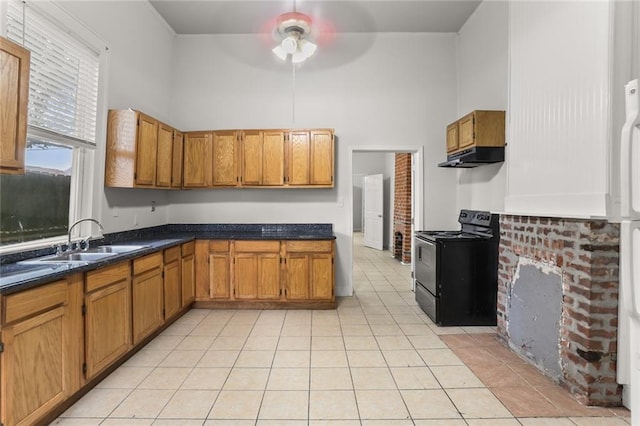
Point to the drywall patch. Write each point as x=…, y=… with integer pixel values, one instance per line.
x=535, y=313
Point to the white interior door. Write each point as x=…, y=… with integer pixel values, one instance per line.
x=373, y=211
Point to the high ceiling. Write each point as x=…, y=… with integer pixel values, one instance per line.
x=353, y=16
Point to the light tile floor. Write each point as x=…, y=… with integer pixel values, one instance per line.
x=375, y=360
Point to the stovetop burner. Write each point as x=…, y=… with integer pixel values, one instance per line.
x=441, y=235
x=474, y=225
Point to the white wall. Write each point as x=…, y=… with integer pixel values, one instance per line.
x=141, y=48
x=388, y=89
x=483, y=84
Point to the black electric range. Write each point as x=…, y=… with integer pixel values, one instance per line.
x=456, y=272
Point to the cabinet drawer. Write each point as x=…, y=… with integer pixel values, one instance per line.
x=188, y=248
x=108, y=275
x=146, y=263
x=30, y=302
x=219, y=245
x=257, y=246
x=309, y=246
x=171, y=254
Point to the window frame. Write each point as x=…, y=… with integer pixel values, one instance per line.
x=85, y=198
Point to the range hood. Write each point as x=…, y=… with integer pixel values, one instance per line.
x=474, y=157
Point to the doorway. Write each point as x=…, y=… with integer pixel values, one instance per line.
x=365, y=161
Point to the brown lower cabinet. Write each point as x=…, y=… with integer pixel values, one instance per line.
x=42, y=346
x=147, y=295
x=58, y=339
x=265, y=274
x=107, y=318
x=172, y=282
x=309, y=266
x=256, y=270
x=188, y=272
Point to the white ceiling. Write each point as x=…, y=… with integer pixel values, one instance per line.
x=339, y=16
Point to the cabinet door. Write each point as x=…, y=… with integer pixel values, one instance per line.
x=321, y=271
x=257, y=276
x=197, y=164
x=33, y=367
x=466, y=131
x=146, y=151
x=225, y=172
x=298, y=160
x=252, y=151
x=176, y=158
x=107, y=325
x=268, y=278
x=245, y=276
x=297, y=268
x=219, y=275
x=165, y=152
x=321, y=158
x=273, y=158
x=452, y=137
x=172, y=285
x=147, y=303
x=187, y=270
x=14, y=81
x=39, y=348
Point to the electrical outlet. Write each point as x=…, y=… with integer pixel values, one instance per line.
x=114, y=212
x=153, y=206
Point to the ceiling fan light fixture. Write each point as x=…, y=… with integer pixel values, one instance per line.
x=290, y=44
x=307, y=48
x=292, y=29
x=280, y=52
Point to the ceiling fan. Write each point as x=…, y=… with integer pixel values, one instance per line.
x=293, y=29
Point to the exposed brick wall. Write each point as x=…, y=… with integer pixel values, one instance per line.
x=587, y=253
x=402, y=208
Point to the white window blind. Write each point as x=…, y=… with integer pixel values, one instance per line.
x=63, y=85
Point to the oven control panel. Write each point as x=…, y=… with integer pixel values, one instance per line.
x=475, y=217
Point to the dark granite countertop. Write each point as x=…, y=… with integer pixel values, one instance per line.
x=16, y=276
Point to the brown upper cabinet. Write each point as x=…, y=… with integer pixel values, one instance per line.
x=452, y=137
x=478, y=128
x=164, y=159
x=225, y=158
x=139, y=151
x=176, y=167
x=262, y=158
x=14, y=96
x=197, y=161
x=310, y=158
x=145, y=153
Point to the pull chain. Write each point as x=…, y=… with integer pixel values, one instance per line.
x=293, y=101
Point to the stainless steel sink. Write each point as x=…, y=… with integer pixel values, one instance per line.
x=74, y=257
x=91, y=255
x=114, y=249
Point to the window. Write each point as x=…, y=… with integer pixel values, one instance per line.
x=61, y=127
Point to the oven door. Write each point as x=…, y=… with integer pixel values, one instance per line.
x=426, y=258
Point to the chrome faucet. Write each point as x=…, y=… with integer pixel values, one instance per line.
x=69, y=247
